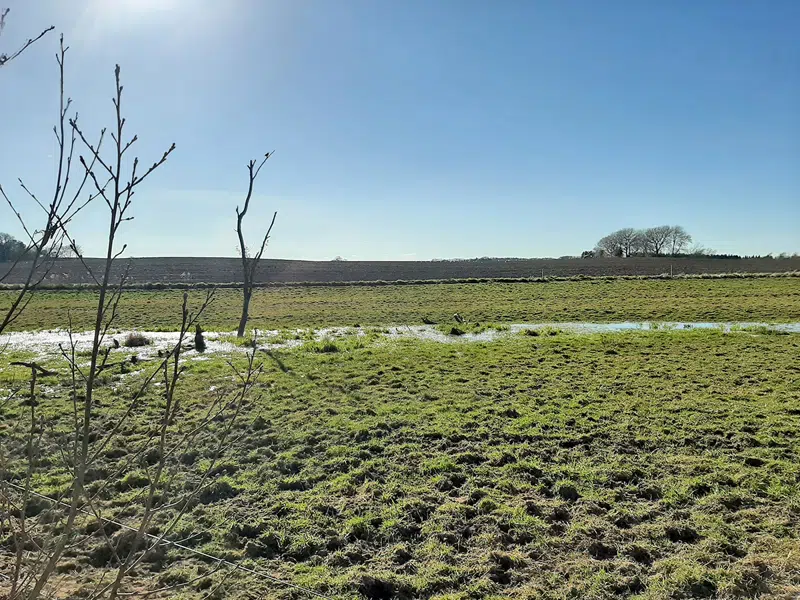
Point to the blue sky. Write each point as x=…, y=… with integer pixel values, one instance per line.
x=426, y=128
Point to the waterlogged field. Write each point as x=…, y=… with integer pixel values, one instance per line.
x=759, y=299
x=652, y=465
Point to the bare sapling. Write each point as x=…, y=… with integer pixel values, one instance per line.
x=250, y=261
x=40, y=529
x=171, y=489
x=115, y=183
x=48, y=238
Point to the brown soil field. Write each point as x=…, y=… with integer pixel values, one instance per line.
x=228, y=270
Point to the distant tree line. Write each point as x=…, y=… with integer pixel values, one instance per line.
x=653, y=241
x=664, y=240
x=11, y=249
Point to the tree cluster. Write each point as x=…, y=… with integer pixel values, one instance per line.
x=12, y=250
x=653, y=241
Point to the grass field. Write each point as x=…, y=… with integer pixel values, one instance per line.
x=762, y=299
x=645, y=465
x=651, y=465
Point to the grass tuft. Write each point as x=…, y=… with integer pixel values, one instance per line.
x=136, y=339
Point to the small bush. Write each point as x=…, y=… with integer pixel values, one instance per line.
x=136, y=339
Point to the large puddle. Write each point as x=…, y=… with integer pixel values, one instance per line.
x=665, y=326
x=431, y=332
x=50, y=343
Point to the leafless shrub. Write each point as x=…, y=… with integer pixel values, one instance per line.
x=116, y=188
x=40, y=536
x=48, y=240
x=39, y=529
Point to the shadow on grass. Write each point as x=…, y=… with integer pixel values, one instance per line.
x=277, y=360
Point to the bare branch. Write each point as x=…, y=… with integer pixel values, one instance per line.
x=118, y=200
x=6, y=58
x=34, y=367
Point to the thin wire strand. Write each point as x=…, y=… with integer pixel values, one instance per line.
x=222, y=561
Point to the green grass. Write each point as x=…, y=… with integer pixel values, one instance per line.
x=769, y=299
x=652, y=465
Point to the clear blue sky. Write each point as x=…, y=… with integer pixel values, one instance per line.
x=427, y=128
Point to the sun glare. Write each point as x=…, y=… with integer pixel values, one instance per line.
x=113, y=17
x=103, y=20
x=145, y=6
x=127, y=13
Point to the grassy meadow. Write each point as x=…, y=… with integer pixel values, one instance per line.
x=756, y=299
x=650, y=465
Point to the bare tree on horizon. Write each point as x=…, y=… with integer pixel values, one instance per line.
x=679, y=239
